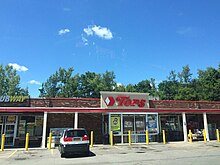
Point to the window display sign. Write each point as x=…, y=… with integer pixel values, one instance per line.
x=152, y=124
x=57, y=133
x=115, y=123
x=11, y=119
x=21, y=128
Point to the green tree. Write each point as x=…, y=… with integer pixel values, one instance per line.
x=209, y=84
x=185, y=76
x=59, y=84
x=130, y=88
x=10, y=81
x=108, y=80
x=63, y=84
x=168, y=89
x=120, y=88
x=143, y=86
x=90, y=85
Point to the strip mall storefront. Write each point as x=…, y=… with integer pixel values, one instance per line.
x=117, y=112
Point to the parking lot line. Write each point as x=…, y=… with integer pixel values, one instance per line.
x=12, y=154
x=51, y=151
x=118, y=148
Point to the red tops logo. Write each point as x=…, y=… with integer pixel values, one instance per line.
x=124, y=101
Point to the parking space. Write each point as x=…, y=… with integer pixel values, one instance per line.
x=173, y=153
x=7, y=154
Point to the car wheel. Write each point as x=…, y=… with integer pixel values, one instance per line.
x=62, y=152
x=62, y=155
x=87, y=153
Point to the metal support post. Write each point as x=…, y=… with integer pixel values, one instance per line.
x=164, y=137
x=50, y=141
x=26, y=141
x=91, y=138
x=217, y=135
x=3, y=142
x=111, y=138
x=147, y=137
x=129, y=137
x=190, y=136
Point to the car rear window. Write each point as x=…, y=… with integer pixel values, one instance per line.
x=75, y=133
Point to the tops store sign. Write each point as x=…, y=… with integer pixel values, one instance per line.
x=14, y=101
x=124, y=100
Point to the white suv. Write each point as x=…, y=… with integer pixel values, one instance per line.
x=74, y=141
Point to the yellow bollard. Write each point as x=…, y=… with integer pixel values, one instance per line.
x=50, y=141
x=129, y=137
x=27, y=142
x=217, y=135
x=91, y=145
x=190, y=136
x=111, y=138
x=3, y=142
x=204, y=135
x=164, y=137
x=147, y=137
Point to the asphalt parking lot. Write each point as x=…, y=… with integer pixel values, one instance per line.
x=197, y=153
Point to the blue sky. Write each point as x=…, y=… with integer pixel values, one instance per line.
x=137, y=40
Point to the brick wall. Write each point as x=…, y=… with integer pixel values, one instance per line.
x=184, y=104
x=89, y=121
x=95, y=103
x=59, y=120
x=92, y=122
x=66, y=102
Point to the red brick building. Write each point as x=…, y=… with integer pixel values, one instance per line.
x=117, y=112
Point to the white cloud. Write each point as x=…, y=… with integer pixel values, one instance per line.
x=63, y=31
x=66, y=9
x=184, y=30
x=88, y=31
x=101, y=32
x=18, y=67
x=84, y=40
x=34, y=82
x=119, y=84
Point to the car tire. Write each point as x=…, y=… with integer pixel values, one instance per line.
x=87, y=153
x=62, y=155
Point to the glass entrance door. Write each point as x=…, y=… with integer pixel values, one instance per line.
x=9, y=134
x=9, y=129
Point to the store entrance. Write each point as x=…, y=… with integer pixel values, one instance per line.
x=136, y=123
x=8, y=127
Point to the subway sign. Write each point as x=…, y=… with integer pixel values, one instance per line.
x=14, y=100
x=124, y=100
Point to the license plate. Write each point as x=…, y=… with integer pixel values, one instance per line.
x=76, y=139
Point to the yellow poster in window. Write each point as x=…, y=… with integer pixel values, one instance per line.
x=115, y=123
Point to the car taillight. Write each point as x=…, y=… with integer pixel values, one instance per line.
x=69, y=139
x=85, y=137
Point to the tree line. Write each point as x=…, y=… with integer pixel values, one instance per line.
x=63, y=83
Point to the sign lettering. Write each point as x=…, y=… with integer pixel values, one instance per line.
x=12, y=99
x=124, y=101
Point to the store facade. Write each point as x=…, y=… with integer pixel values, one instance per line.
x=113, y=111
x=125, y=119
x=15, y=125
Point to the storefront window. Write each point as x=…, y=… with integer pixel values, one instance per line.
x=172, y=124
x=11, y=119
x=1, y=119
x=140, y=121
x=152, y=123
x=128, y=123
x=30, y=124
